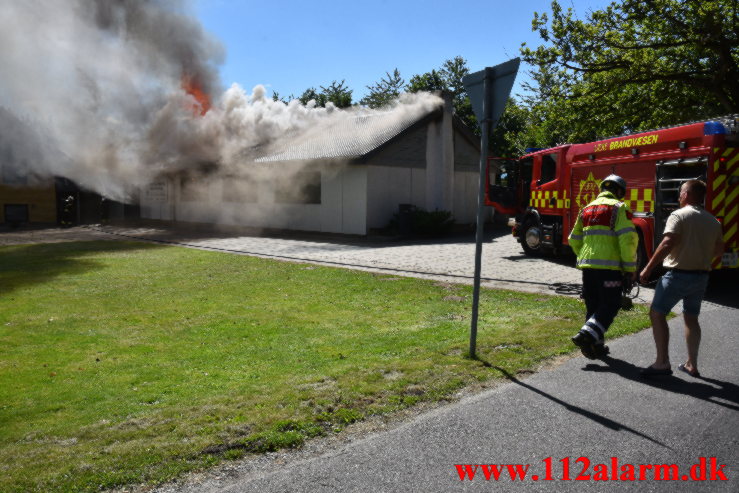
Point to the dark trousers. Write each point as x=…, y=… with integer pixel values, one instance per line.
x=601, y=290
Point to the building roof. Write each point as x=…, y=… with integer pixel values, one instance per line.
x=348, y=134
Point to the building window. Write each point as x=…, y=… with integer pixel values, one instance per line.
x=241, y=190
x=157, y=192
x=303, y=187
x=16, y=213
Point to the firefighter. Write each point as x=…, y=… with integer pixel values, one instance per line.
x=68, y=212
x=605, y=241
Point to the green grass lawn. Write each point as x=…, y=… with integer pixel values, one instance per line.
x=127, y=362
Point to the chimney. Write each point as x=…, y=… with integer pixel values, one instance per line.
x=440, y=159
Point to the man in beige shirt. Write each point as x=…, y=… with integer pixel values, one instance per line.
x=692, y=239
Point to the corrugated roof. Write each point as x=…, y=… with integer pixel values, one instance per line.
x=346, y=134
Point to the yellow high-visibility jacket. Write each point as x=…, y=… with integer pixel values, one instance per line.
x=604, y=237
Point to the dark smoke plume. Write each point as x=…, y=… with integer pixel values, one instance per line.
x=83, y=82
x=114, y=93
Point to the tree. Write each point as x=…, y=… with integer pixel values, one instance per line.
x=429, y=81
x=514, y=132
x=384, y=91
x=311, y=94
x=276, y=97
x=448, y=78
x=338, y=94
x=509, y=138
x=634, y=65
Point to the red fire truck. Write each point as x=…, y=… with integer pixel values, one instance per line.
x=544, y=191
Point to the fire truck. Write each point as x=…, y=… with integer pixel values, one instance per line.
x=544, y=190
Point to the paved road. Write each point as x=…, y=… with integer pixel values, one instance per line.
x=577, y=408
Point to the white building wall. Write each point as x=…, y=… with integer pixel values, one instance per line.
x=331, y=203
x=418, y=186
x=343, y=207
x=465, y=197
x=156, y=200
x=440, y=162
x=389, y=186
x=354, y=200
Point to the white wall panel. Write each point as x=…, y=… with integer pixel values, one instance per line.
x=331, y=202
x=156, y=200
x=465, y=198
x=354, y=200
x=418, y=187
x=390, y=186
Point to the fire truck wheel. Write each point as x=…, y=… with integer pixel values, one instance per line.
x=531, y=237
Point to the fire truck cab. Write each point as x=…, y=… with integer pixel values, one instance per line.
x=544, y=190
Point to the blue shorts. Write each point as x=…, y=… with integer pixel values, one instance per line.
x=680, y=285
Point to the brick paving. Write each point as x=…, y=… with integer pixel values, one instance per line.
x=504, y=264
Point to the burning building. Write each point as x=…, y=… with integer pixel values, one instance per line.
x=136, y=113
x=348, y=174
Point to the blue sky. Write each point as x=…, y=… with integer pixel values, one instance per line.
x=289, y=45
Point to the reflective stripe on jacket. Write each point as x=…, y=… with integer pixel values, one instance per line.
x=604, y=237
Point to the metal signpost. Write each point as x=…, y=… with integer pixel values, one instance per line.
x=488, y=91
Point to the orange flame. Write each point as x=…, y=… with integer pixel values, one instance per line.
x=191, y=85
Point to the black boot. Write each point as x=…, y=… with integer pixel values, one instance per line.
x=601, y=351
x=586, y=343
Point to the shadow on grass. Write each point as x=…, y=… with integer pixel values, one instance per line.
x=601, y=420
x=710, y=391
x=30, y=264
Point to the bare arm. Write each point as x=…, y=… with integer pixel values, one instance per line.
x=665, y=247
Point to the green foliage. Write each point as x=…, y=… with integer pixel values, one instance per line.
x=428, y=224
x=336, y=93
x=311, y=94
x=510, y=136
x=448, y=78
x=631, y=66
x=429, y=81
x=383, y=92
x=432, y=223
x=276, y=97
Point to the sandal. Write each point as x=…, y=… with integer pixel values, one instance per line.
x=694, y=373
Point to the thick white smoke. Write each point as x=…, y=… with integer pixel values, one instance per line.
x=106, y=93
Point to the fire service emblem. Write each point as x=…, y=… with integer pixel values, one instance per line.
x=589, y=190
